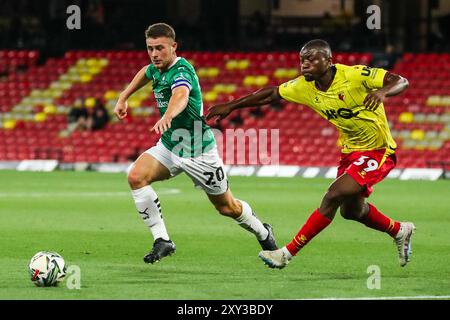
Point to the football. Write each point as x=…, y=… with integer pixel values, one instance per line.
x=47, y=268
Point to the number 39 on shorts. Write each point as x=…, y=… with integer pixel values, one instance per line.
x=370, y=164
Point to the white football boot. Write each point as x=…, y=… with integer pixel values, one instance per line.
x=274, y=259
x=403, y=242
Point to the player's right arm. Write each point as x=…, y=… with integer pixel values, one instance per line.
x=258, y=98
x=139, y=80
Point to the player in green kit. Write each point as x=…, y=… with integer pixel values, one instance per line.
x=187, y=145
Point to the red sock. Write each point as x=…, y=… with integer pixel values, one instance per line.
x=378, y=221
x=315, y=223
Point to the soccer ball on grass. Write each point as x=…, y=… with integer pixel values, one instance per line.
x=47, y=268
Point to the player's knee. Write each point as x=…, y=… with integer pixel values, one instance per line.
x=351, y=212
x=346, y=213
x=333, y=197
x=137, y=180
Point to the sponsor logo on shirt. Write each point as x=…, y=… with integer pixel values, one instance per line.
x=341, y=112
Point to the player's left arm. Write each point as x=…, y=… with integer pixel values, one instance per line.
x=393, y=84
x=177, y=103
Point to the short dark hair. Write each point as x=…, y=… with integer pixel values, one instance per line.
x=319, y=45
x=160, y=30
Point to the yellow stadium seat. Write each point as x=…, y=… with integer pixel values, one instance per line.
x=406, y=117
x=56, y=93
x=431, y=135
x=445, y=101
x=417, y=134
x=46, y=94
x=111, y=95
x=210, y=96
x=433, y=101
x=231, y=64
x=85, y=77
x=35, y=93
x=421, y=145
x=90, y=102
x=292, y=73
x=94, y=70
x=408, y=144
x=224, y=88
x=55, y=85
x=243, y=64
x=49, y=109
x=249, y=81
x=444, y=135
x=280, y=73
x=72, y=70
x=92, y=62
x=40, y=117
x=230, y=88
x=139, y=94
x=445, y=118
x=134, y=103
x=420, y=117
x=9, y=124
x=75, y=78
x=432, y=117
x=78, y=103
x=65, y=85
x=202, y=72
x=65, y=78
x=81, y=62
x=435, y=144
x=213, y=72
x=261, y=81
x=103, y=62
x=219, y=88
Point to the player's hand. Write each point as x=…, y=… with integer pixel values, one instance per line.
x=162, y=125
x=374, y=99
x=220, y=111
x=120, y=110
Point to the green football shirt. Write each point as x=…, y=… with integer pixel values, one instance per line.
x=189, y=135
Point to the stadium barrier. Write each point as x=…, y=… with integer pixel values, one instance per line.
x=231, y=170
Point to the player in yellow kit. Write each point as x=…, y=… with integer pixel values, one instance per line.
x=351, y=98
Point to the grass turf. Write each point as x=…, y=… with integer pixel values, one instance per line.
x=90, y=219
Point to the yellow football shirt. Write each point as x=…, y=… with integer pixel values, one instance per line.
x=342, y=104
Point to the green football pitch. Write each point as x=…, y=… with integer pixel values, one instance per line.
x=90, y=219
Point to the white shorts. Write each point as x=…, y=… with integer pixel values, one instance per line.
x=206, y=171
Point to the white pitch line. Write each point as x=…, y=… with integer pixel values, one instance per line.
x=78, y=194
x=382, y=298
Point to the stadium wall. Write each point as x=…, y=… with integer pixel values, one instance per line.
x=259, y=171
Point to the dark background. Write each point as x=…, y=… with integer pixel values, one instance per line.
x=213, y=25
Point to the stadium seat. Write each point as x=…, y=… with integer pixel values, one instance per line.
x=37, y=100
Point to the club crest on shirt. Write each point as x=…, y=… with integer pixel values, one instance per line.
x=341, y=96
x=362, y=173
